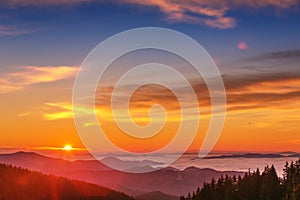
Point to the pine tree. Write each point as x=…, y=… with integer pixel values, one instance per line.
x=253, y=186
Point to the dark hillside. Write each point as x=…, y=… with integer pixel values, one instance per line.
x=17, y=183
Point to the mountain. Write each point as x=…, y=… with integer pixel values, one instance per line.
x=17, y=183
x=156, y=195
x=127, y=165
x=168, y=180
x=46, y=164
x=36, y=161
x=257, y=155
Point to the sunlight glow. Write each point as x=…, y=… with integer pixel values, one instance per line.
x=67, y=148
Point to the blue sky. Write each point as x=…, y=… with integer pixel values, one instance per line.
x=63, y=33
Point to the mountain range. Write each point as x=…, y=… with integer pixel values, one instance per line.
x=166, y=183
x=257, y=155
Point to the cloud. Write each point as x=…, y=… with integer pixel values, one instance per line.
x=279, y=63
x=30, y=75
x=263, y=3
x=244, y=93
x=192, y=11
x=268, y=80
x=269, y=91
x=288, y=54
x=213, y=13
x=13, y=30
x=24, y=114
x=242, y=45
x=64, y=110
x=16, y=3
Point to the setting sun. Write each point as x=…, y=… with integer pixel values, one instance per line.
x=67, y=148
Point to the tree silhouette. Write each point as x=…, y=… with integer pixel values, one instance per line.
x=253, y=186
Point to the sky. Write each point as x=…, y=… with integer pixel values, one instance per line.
x=255, y=44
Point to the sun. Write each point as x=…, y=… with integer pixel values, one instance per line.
x=67, y=147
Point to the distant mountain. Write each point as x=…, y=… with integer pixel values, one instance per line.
x=168, y=180
x=257, y=155
x=287, y=152
x=127, y=165
x=46, y=164
x=157, y=195
x=36, y=161
x=17, y=183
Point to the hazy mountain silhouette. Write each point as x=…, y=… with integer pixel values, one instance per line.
x=46, y=164
x=156, y=195
x=257, y=155
x=127, y=165
x=168, y=180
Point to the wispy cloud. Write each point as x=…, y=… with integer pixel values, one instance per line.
x=29, y=75
x=287, y=54
x=213, y=13
x=269, y=90
x=243, y=94
x=192, y=11
x=15, y=3
x=24, y=114
x=63, y=110
x=267, y=80
x=6, y=30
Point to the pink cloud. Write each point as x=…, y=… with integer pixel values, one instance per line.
x=242, y=45
x=29, y=75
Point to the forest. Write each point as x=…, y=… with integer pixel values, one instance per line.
x=17, y=183
x=253, y=186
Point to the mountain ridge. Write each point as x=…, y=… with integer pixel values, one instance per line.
x=168, y=180
x=256, y=155
x=18, y=183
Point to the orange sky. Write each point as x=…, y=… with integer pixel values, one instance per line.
x=263, y=114
x=254, y=43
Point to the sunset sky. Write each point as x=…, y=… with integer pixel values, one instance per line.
x=255, y=44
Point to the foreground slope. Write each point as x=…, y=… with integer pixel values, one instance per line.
x=17, y=183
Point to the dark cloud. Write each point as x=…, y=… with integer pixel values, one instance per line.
x=277, y=86
x=239, y=96
x=288, y=54
x=234, y=82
